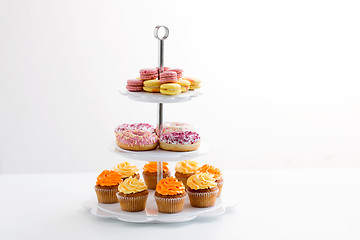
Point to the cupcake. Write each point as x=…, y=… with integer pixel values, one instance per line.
x=216, y=174
x=150, y=174
x=107, y=186
x=132, y=195
x=170, y=195
x=202, y=190
x=185, y=169
x=126, y=170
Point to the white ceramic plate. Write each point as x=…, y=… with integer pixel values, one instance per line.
x=151, y=214
x=160, y=98
x=159, y=155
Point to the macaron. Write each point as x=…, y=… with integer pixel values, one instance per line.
x=185, y=85
x=179, y=72
x=170, y=88
x=152, y=85
x=168, y=77
x=195, y=82
x=148, y=73
x=134, y=85
x=164, y=69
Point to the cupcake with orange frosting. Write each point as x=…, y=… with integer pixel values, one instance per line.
x=132, y=195
x=170, y=195
x=107, y=186
x=126, y=170
x=202, y=190
x=216, y=174
x=185, y=169
x=150, y=173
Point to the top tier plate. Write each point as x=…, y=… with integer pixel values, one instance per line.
x=159, y=155
x=160, y=98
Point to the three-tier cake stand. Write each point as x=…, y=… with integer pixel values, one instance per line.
x=151, y=214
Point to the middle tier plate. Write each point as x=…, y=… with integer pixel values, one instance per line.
x=161, y=98
x=159, y=155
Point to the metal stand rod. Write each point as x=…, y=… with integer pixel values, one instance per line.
x=160, y=105
x=160, y=122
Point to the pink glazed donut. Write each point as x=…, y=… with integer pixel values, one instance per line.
x=134, y=126
x=183, y=141
x=137, y=140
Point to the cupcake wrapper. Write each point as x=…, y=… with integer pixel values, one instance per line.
x=106, y=195
x=203, y=199
x=150, y=181
x=132, y=204
x=170, y=205
x=220, y=185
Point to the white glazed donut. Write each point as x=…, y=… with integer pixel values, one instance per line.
x=183, y=141
x=176, y=127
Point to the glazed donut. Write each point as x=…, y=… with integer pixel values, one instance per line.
x=137, y=140
x=134, y=126
x=183, y=141
x=176, y=127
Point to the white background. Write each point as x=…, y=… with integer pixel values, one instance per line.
x=280, y=80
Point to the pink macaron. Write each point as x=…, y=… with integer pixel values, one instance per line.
x=134, y=85
x=168, y=77
x=148, y=73
x=178, y=72
x=164, y=69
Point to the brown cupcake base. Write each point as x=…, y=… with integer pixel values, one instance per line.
x=150, y=178
x=220, y=184
x=106, y=194
x=170, y=203
x=203, y=198
x=133, y=202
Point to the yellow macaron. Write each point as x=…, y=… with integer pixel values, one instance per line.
x=185, y=85
x=170, y=88
x=195, y=82
x=152, y=85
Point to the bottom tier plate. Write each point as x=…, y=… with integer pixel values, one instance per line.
x=151, y=214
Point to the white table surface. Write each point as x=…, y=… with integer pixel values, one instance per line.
x=273, y=204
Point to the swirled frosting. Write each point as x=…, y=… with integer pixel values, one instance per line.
x=137, y=137
x=108, y=178
x=201, y=181
x=183, y=137
x=170, y=186
x=212, y=170
x=152, y=167
x=187, y=166
x=132, y=185
x=126, y=169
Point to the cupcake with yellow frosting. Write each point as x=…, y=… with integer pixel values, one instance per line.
x=216, y=174
x=170, y=195
x=202, y=190
x=185, y=169
x=132, y=195
x=107, y=186
x=126, y=170
x=150, y=173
